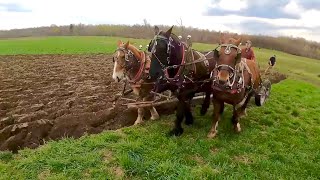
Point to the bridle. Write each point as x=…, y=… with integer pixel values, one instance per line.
x=232, y=71
x=128, y=66
x=169, y=43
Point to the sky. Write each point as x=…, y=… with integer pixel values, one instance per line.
x=296, y=18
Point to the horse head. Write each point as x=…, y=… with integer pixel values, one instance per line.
x=228, y=56
x=123, y=59
x=165, y=51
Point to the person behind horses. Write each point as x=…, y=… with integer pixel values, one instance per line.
x=272, y=62
x=247, y=52
x=189, y=42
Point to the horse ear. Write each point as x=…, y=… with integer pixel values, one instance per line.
x=168, y=33
x=238, y=41
x=222, y=38
x=156, y=30
x=119, y=43
x=127, y=45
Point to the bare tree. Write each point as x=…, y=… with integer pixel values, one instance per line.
x=180, y=23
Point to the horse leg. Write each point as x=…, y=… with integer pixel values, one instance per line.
x=178, y=130
x=206, y=104
x=170, y=95
x=217, y=112
x=153, y=111
x=235, y=120
x=139, y=119
x=187, y=111
x=241, y=111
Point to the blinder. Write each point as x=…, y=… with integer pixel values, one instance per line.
x=231, y=70
x=127, y=56
x=228, y=51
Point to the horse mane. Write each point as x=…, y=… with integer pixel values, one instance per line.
x=136, y=52
x=175, y=37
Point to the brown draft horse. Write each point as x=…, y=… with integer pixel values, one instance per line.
x=133, y=65
x=182, y=70
x=235, y=81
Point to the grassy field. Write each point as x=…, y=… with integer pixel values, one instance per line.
x=296, y=67
x=279, y=141
x=70, y=45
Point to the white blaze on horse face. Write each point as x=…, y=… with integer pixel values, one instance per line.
x=118, y=72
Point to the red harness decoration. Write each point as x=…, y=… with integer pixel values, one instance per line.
x=139, y=73
x=145, y=63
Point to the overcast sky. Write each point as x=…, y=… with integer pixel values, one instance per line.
x=298, y=18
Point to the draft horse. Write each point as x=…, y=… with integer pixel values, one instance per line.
x=132, y=65
x=235, y=81
x=182, y=70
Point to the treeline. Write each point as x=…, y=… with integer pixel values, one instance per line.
x=295, y=46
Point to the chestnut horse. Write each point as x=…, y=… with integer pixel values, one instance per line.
x=133, y=65
x=182, y=70
x=235, y=81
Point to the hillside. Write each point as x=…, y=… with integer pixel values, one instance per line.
x=295, y=66
x=295, y=46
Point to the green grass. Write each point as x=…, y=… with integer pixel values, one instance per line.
x=280, y=140
x=70, y=45
x=296, y=67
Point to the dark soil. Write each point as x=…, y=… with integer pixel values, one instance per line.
x=49, y=97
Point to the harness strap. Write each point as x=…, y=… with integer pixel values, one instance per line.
x=180, y=66
x=245, y=66
x=138, y=76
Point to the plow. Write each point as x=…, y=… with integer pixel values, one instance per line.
x=161, y=99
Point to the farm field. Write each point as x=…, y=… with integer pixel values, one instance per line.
x=295, y=66
x=57, y=87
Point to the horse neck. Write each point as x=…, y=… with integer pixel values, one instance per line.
x=134, y=68
x=135, y=52
x=134, y=62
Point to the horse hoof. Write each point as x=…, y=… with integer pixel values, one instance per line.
x=243, y=113
x=176, y=132
x=189, y=122
x=237, y=128
x=203, y=112
x=138, y=122
x=212, y=134
x=155, y=117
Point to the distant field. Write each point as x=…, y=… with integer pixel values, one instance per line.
x=71, y=45
x=296, y=67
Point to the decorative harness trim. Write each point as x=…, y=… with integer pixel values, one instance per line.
x=180, y=66
x=144, y=67
x=239, y=68
x=139, y=73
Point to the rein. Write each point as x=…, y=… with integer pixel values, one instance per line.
x=180, y=67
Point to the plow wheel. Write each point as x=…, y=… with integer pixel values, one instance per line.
x=263, y=93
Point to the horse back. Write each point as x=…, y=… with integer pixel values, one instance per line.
x=255, y=73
